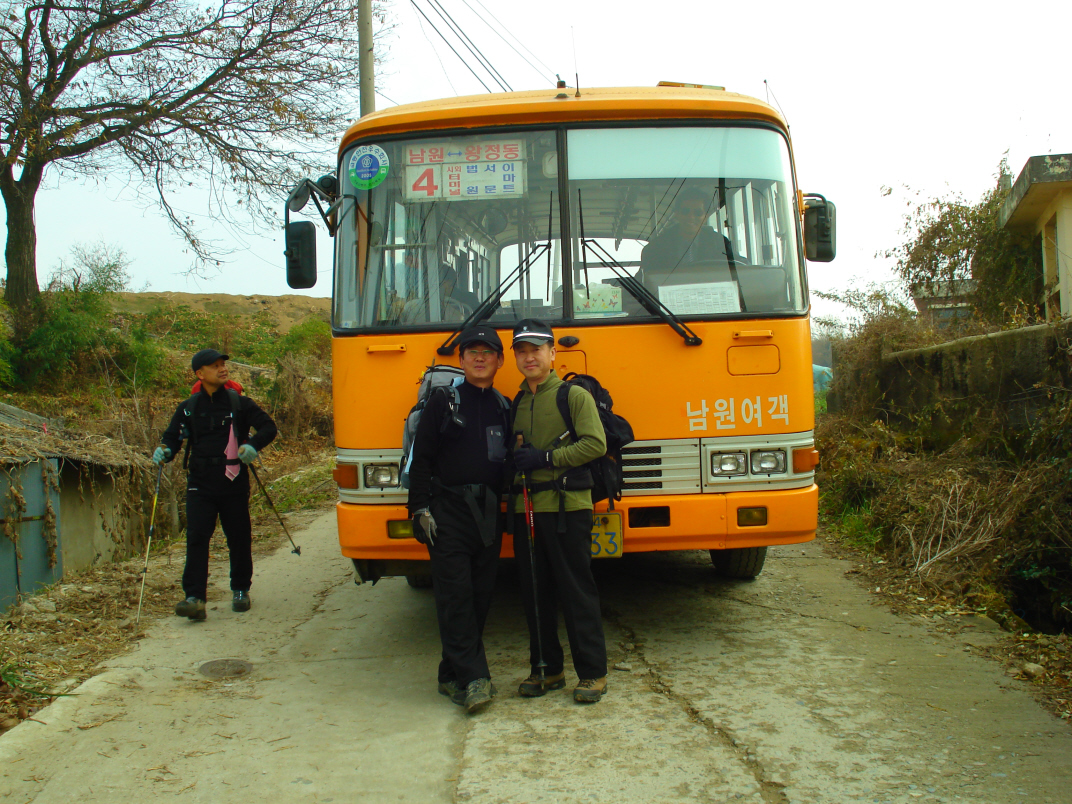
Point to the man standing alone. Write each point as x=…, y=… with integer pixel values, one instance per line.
x=563, y=522
x=214, y=423
x=456, y=482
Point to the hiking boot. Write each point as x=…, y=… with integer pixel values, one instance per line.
x=452, y=691
x=241, y=601
x=590, y=690
x=531, y=687
x=192, y=607
x=478, y=695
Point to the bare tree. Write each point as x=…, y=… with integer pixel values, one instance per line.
x=235, y=94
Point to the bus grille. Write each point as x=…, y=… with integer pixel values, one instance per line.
x=661, y=467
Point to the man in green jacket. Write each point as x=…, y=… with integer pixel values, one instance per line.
x=543, y=453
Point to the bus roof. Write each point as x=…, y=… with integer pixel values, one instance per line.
x=552, y=106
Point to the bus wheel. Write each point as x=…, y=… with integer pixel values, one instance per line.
x=419, y=581
x=741, y=562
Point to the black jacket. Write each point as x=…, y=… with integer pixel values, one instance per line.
x=208, y=428
x=670, y=250
x=458, y=456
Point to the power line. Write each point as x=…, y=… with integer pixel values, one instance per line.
x=470, y=46
x=507, y=41
x=386, y=98
x=436, y=52
x=441, y=36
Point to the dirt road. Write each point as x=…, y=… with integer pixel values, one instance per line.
x=794, y=688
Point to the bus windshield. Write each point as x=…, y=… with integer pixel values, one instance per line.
x=703, y=217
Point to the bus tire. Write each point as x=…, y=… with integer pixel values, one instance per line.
x=744, y=563
x=419, y=581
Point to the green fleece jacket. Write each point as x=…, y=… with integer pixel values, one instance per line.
x=541, y=424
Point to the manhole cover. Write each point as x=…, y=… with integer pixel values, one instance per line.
x=225, y=668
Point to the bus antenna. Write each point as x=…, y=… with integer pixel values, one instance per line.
x=772, y=95
x=576, y=72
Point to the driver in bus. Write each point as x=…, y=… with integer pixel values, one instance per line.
x=688, y=239
x=456, y=302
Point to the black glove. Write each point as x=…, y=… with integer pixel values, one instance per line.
x=424, y=527
x=527, y=458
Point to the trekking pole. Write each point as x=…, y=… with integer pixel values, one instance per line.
x=530, y=519
x=297, y=550
x=148, y=542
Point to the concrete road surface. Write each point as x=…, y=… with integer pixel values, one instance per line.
x=796, y=687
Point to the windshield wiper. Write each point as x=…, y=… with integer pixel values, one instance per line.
x=491, y=303
x=648, y=300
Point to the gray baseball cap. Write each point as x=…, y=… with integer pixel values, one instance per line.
x=534, y=331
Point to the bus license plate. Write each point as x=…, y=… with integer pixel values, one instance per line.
x=607, y=536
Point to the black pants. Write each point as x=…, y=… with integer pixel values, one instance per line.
x=563, y=580
x=202, y=510
x=463, y=578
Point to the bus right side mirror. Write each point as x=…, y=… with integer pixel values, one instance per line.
x=300, y=238
x=820, y=229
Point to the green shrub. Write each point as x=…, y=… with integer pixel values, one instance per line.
x=311, y=337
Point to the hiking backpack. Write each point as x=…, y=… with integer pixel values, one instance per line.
x=606, y=471
x=435, y=378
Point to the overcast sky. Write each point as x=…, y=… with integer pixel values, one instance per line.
x=927, y=95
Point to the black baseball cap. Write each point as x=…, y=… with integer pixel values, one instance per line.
x=531, y=330
x=480, y=333
x=206, y=357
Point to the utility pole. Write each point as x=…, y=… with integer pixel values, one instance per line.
x=364, y=44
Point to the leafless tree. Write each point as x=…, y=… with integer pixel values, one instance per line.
x=236, y=95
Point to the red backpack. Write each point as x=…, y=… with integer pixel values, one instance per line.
x=234, y=385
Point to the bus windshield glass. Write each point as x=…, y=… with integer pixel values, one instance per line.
x=704, y=217
x=429, y=228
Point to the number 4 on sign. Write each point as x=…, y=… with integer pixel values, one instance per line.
x=426, y=183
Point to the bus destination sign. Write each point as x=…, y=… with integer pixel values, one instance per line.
x=492, y=169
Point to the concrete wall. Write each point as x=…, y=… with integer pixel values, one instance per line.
x=94, y=525
x=1014, y=374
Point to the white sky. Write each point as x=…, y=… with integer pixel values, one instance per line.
x=927, y=95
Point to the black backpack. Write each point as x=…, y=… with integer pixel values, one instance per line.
x=606, y=471
x=442, y=379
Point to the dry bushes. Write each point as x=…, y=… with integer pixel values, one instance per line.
x=964, y=522
x=300, y=399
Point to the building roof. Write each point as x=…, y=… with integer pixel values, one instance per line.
x=25, y=436
x=1041, y=180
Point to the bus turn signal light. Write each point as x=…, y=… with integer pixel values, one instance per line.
x=751, y=517
x=345, y=475
x=805, y=460
x=400, y=529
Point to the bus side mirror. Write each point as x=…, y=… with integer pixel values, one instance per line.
x=300, y=238
x=820, y=229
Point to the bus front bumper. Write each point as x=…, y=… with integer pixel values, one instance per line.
x=651, y=523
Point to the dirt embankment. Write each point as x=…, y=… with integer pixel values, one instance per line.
x=284, y=311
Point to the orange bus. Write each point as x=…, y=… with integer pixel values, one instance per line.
x=661, y=233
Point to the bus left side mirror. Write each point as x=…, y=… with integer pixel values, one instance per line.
x=301, y=254
x=820, y=229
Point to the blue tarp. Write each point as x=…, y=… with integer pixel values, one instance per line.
x=821, y=377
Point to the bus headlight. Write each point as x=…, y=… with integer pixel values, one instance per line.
x=768, y=461
x=381, y=475
x=726, y=464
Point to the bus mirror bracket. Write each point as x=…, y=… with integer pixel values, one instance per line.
x=325, y=188
x=820, y=228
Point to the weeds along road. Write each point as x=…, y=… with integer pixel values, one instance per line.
x=792, y=688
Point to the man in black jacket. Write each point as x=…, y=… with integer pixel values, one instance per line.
x=215, y=424
x=456, y=482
